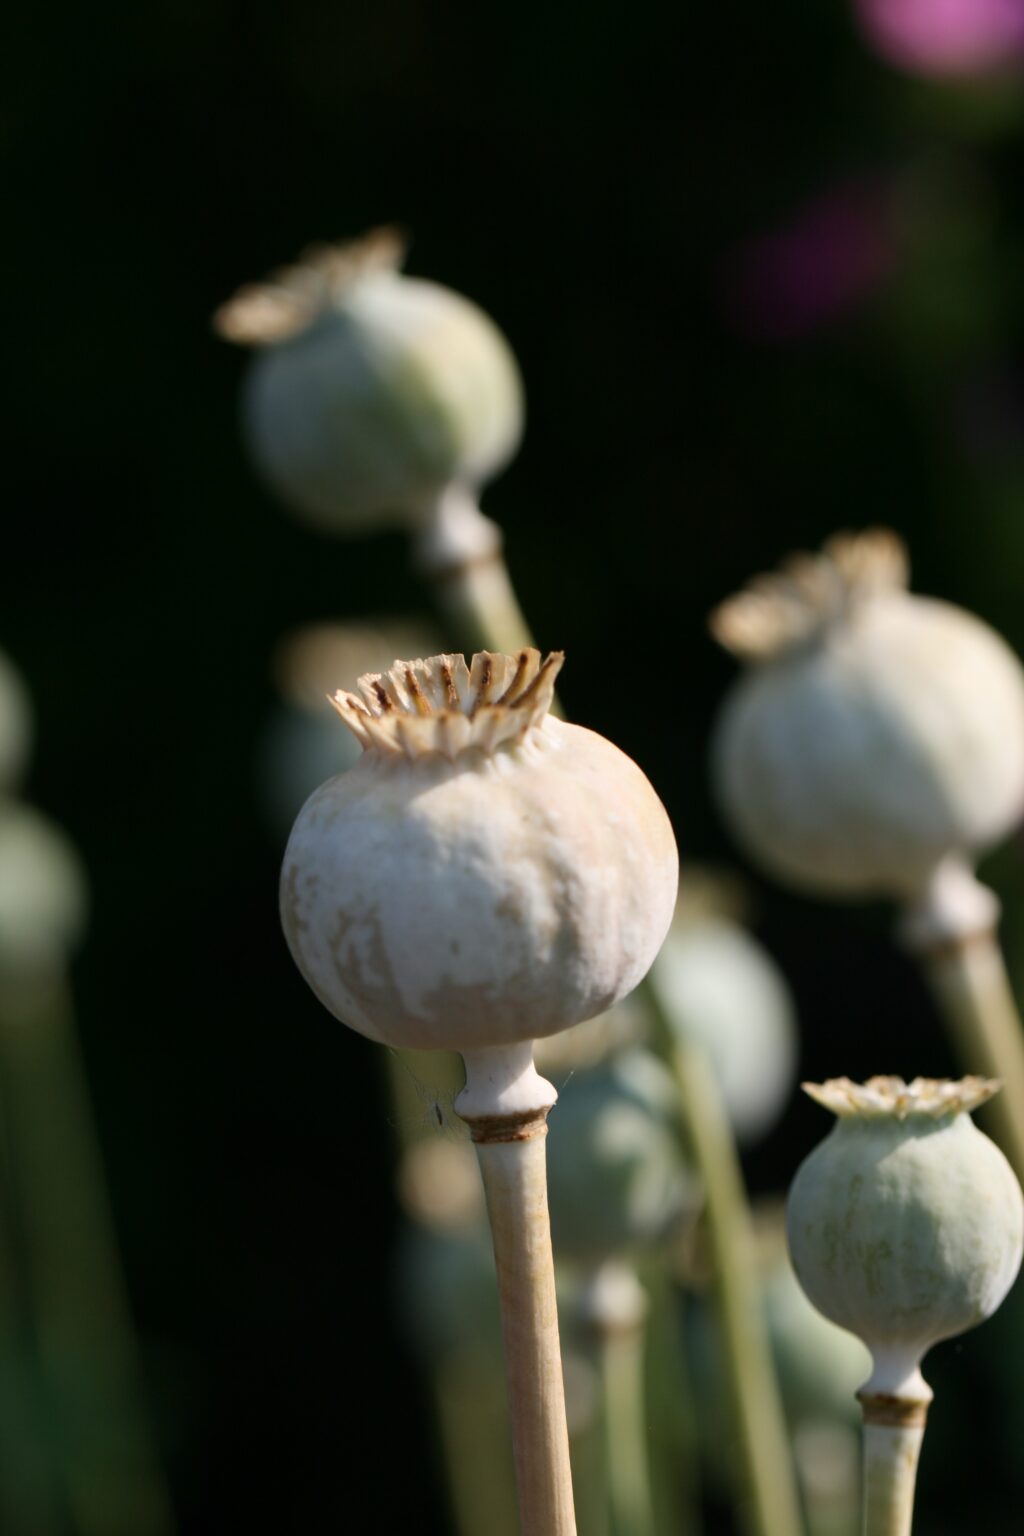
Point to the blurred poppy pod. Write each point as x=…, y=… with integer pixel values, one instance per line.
x=42, y=893
x=720, y=989
x=616, y=1180
x=875, y=733
x=371, y=393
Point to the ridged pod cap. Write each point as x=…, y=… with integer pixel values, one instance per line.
x=874, y=734
x=370, y=393
x=485, y=874
x=906, y=1224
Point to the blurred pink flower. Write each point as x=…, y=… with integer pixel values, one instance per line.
x=944, y=37
x=832, y=253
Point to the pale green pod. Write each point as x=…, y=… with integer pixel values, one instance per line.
x=875, y=733
x=42, y=892
x=720, y=988
x=15, y=725
x=616, y=1181
x=906, y=1224
x=371, y=392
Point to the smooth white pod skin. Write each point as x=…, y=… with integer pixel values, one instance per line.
x=15, y=725
x=42, y=891
x=722, y=989
x=398, y=389
x=905, y=1231
x=855, y=763
x=475, y=902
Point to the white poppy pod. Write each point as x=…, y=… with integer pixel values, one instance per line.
x=15, y=725
x=875, y=734
x=906, y=1224
x=485, y=874
x=719, y=987
x=370, y=393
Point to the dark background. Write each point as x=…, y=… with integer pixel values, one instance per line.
x=592, y=175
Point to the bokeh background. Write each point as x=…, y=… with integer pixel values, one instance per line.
x=762, y=268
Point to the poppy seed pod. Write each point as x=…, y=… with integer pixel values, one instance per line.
x=615, y=1177
x=876, y=733
x=371, y=393
x=720, y=988
x=906, y=1223
x=485, y=874
x=42, y=892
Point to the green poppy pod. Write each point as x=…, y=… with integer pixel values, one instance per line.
x=906, y=1224
x=371, y=393
x=616, y=1180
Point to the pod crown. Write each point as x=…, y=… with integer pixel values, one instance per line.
x=288, y=301
x=445, y=707
x=892, y=1096
x=785, y=608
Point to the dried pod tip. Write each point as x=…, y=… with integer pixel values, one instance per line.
x=786, y=608
x=290, y=299
x=444, y=707
x=892, y=1096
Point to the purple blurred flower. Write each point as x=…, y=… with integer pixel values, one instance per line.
x=832, y=253
x=944, y=37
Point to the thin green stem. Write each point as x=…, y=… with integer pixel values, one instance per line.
x=621, y=1354
x=971, y=988
x=672, y=1431
x=771, y=1506
x=30, y=1485
x=460, y=552
x=86, y=1346
x=471, y=1413
x=614, y=1310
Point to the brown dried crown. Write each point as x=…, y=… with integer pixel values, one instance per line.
x=789, y=607
x=443, y=707
x=290, y=299
x=933, y=1096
